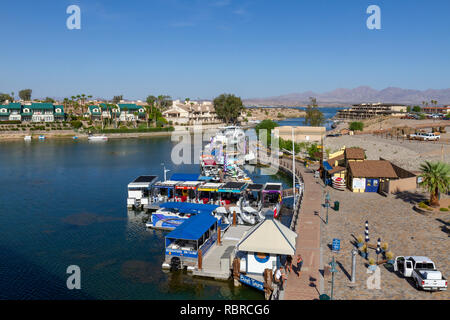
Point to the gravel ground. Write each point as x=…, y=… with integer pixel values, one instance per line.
x=406, y=154
x=393, y=220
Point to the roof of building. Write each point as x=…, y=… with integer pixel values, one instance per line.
x=14, y=105
x=372, y=169
x=336, y=169
x=269, y=236
x=39, y=106
x=129, y=106
x=337, y=158
x=355, y=153
x=92, y=108
x=187, y=207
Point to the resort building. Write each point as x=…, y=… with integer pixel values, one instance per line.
x=95, y=112
x=34, y=112
x=191, y=112
x=366, y=176
x=122, y=112
x=301, y=134
x=371, y=110
x=436, y=109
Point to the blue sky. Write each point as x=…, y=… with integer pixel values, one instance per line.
x=200, y=48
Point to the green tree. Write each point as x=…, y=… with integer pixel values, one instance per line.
x=164, y=102
x=268, y=125
x=314, y=117
x=4, y=97
x=408, y=109
x=228, y=107
x=314, y=151
x=416, y=109
x=25, y=94
x=436, y=179
x=49, y=100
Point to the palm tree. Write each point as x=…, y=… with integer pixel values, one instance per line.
x=436, y=179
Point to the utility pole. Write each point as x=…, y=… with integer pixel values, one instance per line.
x=293, y=167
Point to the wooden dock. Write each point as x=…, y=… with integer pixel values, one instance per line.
x=218, y=260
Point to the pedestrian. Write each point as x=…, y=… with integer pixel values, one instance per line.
x=288, y=264
x=279, y=277
x=299, y=263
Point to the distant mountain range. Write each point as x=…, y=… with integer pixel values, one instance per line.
x=340, y=97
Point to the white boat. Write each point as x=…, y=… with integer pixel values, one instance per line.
x=97, y=138
x=139, y=191
x=41, y=137
x=27, y=138
x=166, y=219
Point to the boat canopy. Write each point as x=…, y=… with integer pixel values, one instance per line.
x=187, y=185
x=209, y=162
x=327, y=165
x=205, y=178
x=255, y=187
x=272, y=188
x=142, y=181
x=193, y=208
x=166, y=184
x=269, y=236
x=212, y=187
x=185, y=176
x=193, y=228
x=233, y=187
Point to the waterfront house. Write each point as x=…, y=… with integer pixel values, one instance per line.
x=131, y=112
x=191, y=112
x=336, y=165
x=95, y=112
x=10, y=112
x=59, y=113
x=42, y=112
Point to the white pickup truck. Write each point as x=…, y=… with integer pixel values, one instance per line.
x=423, y=272
x=425, y=136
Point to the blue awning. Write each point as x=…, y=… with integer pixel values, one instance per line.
x=193, y=228
x=185, y=177
x=205, y=178
x=187, y=207
x=327, y=166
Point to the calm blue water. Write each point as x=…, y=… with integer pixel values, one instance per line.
x=327, y=112
x=63, y=202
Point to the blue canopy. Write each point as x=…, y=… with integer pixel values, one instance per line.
x=205, y=178
x=193, y=228
x=184, y=177
x=327, y=166
x=187, y=207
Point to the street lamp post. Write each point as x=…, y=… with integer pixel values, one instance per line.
x=293, y=166
x=327, y=203
x=333, y=271
x=165, y=171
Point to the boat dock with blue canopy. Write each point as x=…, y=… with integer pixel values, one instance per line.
x=190, y=240
x=185, y=177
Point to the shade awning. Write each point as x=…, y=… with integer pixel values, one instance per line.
x=187, y=207
x=269, y=236
x=193, y=228
x=185, y=177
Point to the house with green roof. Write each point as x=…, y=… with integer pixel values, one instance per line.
x=10, y=112
x=59, y=113
x=42, y=112
x=95, y=112
x=131, y=112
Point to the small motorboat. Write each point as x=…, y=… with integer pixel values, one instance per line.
x=41, y=137
x=75, y=138
x=98, y=138
x=27, y=138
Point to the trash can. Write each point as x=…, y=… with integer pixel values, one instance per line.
x=336, y=205
x=324, y=297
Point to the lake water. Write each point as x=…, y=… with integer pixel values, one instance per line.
x=328, y=113
x=63, y=202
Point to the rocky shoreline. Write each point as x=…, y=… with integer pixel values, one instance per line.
x=278, y=113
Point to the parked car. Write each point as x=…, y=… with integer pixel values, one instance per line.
x=425, y=136
x=423, y=272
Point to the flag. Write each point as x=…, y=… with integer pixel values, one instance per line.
x=275, y=212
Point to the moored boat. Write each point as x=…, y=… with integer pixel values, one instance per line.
x=98, y=138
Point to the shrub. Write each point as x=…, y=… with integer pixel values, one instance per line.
x=356, y=126
x=371, y=261
x=360, y=239
x=384, y=246
x=389, y=255
x=444, y=209
x=77, y=124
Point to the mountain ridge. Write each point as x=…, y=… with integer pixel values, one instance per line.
x=361, y=94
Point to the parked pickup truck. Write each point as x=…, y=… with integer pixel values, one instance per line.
x=426, y=136
x=423, y=272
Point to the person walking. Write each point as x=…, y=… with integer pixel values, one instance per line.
x=279, y=278
x=288, y=264
x=299, y=264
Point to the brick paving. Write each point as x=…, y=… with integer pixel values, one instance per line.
x=393, y=220
x=307, y=286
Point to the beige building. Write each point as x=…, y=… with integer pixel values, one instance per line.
x=191, y=112
x=301, y=134
x=371, y=110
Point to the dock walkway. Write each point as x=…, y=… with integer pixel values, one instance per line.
x=218, y=260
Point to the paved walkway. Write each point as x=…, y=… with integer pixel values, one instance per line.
x=307, y=286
